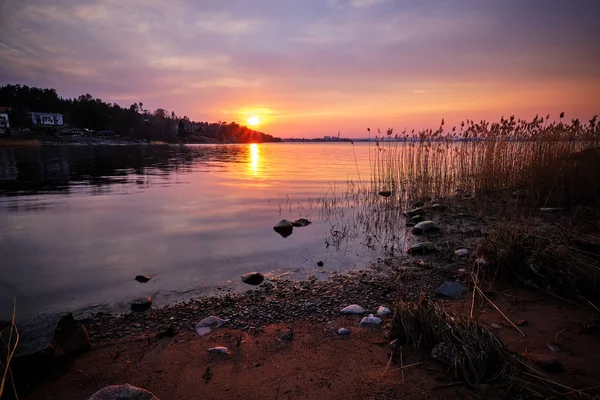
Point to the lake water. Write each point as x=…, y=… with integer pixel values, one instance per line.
x=78, y=223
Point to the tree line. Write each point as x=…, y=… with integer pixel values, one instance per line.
x=93, y=114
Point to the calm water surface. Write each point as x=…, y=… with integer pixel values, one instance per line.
x=78, y=223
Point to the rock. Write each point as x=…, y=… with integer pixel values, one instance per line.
x=70, y=337
x=421, y=248
x=301, y=222
x=219, y=350
x=416, y=211
x=123, y=392
x=370, y=320
x=205, y=326
x=343, y=331
x=417, y=218
x=320, y=264
x=443, y=353
x=461, y=252
x=385, y=193
x=141, y=304
x=142, y=278
x=253, y=278
x=553, y=348
x=284, y=228
x=550, y=364
x=451, y=289
x=383, y=311
x=286, y=335
x=353, y=309
x=425, y=227
x=520, y=194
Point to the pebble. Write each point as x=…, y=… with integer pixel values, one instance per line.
x=370, y=320
x=343, y=331
x=383, y=311
x=353, y=309
x=219, y=349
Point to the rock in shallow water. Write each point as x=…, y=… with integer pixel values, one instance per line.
x=205, y=326
x=253, y=278
x=141, y=304
x=142, y=278
x=284, y=228
x=370, y=320
x=425, y=227
x=123, y=392
x=383, y=311
x=353, y=309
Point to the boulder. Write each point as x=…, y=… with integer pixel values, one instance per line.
x=142, y=278
x=443, y=353
x=451, y=289
x=353, y=309
x=219, y=350
x=205, y=326
x=123, y=392
x=425, y=227
x=421, y=248
x=383, y=311
x=370, y=320
x=284, y=228
x=141, y=304
x=253, y=278
x=301, y=222
x=70, y=337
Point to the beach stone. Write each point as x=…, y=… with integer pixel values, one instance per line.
x=443, y=353
x=301, y=222
x=284, y=228
x=425, y=227
x=123, y=392
x=219, y=350
x=550, y=364
x=70, y=337
x=370, y=320
x=253, y=278
x=141, y=304
x=343, y=331
x=462, y=252
x=421, y=248
x=451, y=289
x=353, y=309
x=205, y=326
x=385, y=193
x=142, y=278
x=383, y=311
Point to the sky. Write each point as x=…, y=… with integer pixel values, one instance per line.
x=309, y=68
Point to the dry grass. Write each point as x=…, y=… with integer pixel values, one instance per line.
x=478, y=356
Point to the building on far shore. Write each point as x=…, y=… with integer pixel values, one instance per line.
x=46, y=119
x=4, y=121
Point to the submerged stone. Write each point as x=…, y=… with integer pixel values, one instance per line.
x=425, y=227
x=421, y=248
x=123, y=392
x=284, y=228
x=253, y=278
x=141, y=304
x=353, y=309
x=451, y=289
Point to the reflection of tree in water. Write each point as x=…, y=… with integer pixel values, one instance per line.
x=55, y=169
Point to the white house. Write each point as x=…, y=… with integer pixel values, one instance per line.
x=4, y=124
x=52, y=119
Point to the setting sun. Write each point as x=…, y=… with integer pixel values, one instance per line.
x=253, y=120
